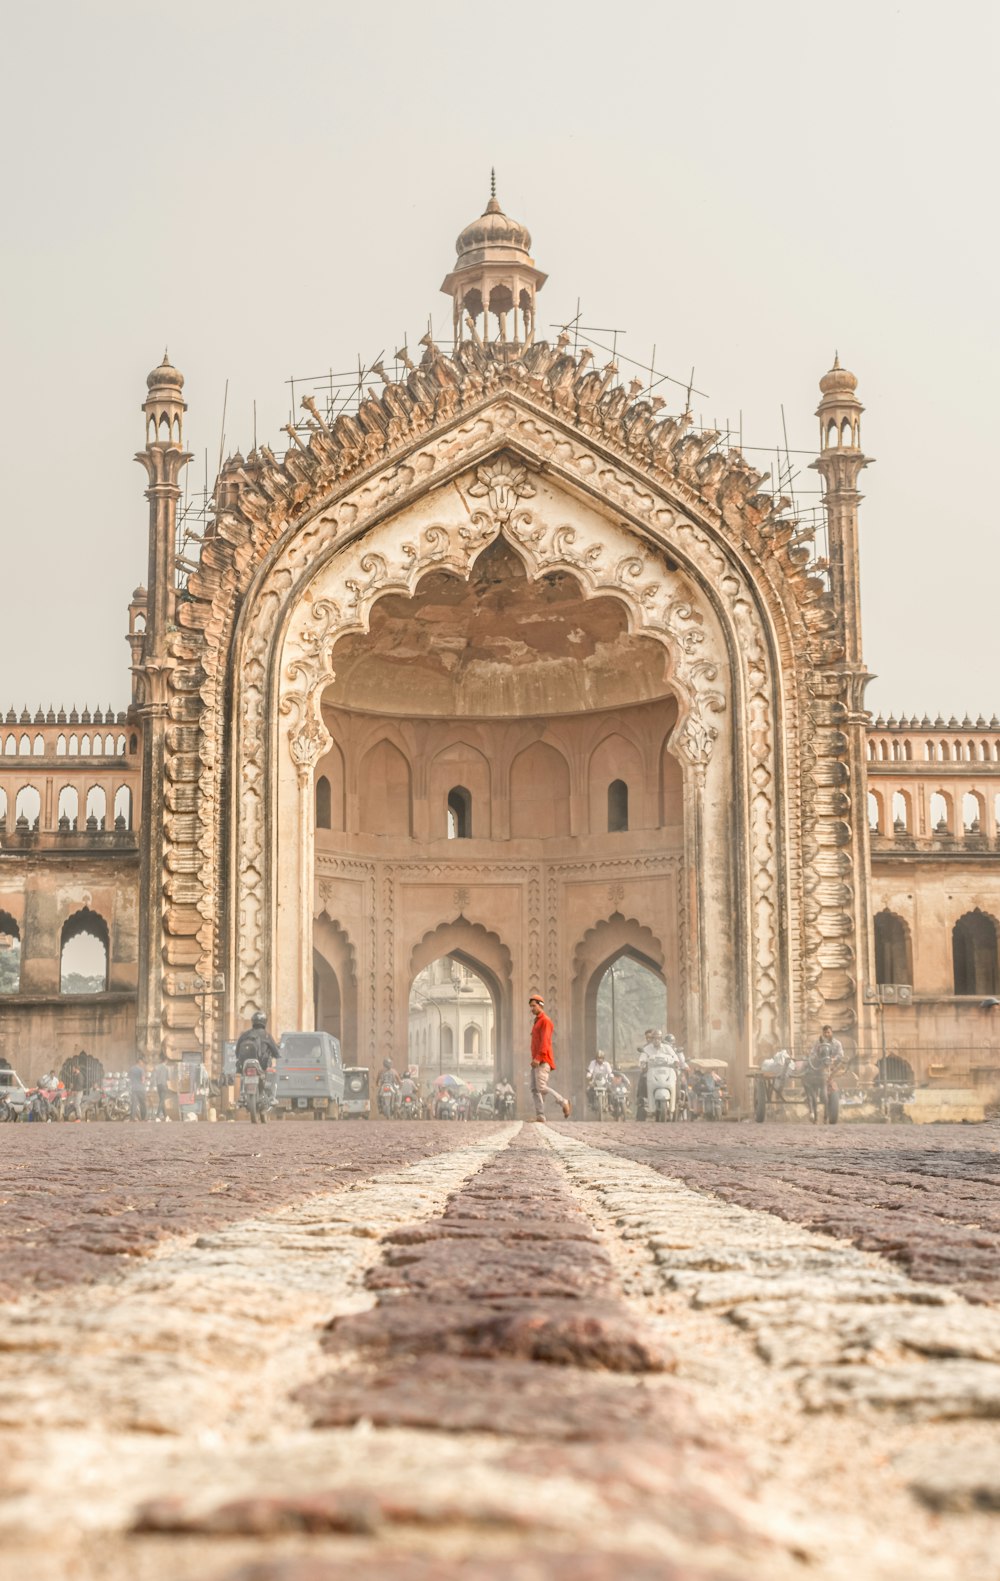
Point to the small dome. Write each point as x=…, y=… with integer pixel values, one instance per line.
x=139, y=594
x=838, y=381
x=165, y=377
x=492, y=229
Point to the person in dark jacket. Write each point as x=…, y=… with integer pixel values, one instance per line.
x=256, y=1043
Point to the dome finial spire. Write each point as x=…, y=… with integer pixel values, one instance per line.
x=493, y=181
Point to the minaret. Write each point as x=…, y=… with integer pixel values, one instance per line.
x=840, y=464
x=494, y=282
x=163, y=458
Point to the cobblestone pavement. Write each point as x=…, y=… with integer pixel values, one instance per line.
x=520, y=1355
x=926, y=1196
x=76, y=1201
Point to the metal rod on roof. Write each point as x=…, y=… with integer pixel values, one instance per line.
x=222, y=436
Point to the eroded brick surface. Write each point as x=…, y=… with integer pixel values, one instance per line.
x=928, y=1197
x=78, y=1201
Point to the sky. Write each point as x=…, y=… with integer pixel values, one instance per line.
x=271, y=191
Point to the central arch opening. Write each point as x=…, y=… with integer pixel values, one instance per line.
x=452, y=1025
x=487, y=732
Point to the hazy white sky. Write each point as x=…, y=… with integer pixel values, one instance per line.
x=271, y=190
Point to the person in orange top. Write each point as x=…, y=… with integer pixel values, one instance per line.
x=542, y=1062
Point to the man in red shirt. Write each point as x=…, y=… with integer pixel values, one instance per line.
x=542, y=1062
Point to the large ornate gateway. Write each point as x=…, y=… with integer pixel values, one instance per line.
x=512, y=665
x=506, y=586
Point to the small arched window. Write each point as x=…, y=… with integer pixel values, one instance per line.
x=874, y=812
x=69, y=808
x=97, y=807
x=940, y=814
x=323, y=803
x=900, y=813
x=471, y=1040
x=617, y=807
x=972, y=813
x=974, y=954
x=10, y=954
x=459, y=813
x=133, y=744
x=83, y=955
x=123, y=808
x=892, y=949
x=447, y=1043
x=896, y=1071
x=28, y=807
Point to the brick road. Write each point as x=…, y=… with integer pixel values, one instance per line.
x=926, y=1196
x=438, y=1352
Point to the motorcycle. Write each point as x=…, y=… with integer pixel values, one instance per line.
x=409, y=1107
x=661, y=1090
x=600, y=1097
x=256, y=1094
x=45, y=1103
x=387, y=1100
x=447, y=1108
x=617, y=1102
x=504, y=1106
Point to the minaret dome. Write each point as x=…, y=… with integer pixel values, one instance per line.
x=494, y=282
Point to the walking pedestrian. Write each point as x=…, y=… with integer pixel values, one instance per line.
x=542, y=1061
x=137, y=1091
x=161, y=1081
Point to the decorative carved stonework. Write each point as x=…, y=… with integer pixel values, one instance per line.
x=736, y=582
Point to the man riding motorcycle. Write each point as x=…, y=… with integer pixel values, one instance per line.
x=504, y=1100
x=618, y=1092
x=599, y=1074
x=388, y=1089
x=256, y=1043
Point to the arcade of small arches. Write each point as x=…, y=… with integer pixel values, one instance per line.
x=946, y=749
x=93, y=809
x=946, y=812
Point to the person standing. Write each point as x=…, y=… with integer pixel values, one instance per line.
x=542, y=1061
x=137, y=1091
x=161, y=1081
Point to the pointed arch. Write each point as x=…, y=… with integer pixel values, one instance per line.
x=385, y=805
x=539, y=793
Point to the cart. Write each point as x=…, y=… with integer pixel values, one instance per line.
x=780, y=1091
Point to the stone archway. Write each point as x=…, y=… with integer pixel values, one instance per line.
x=485, y=954
x=335, y=988
x=604, y=944
x=683, y=579
x=557, y=537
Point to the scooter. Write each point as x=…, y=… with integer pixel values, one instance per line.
x=661, y=1090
